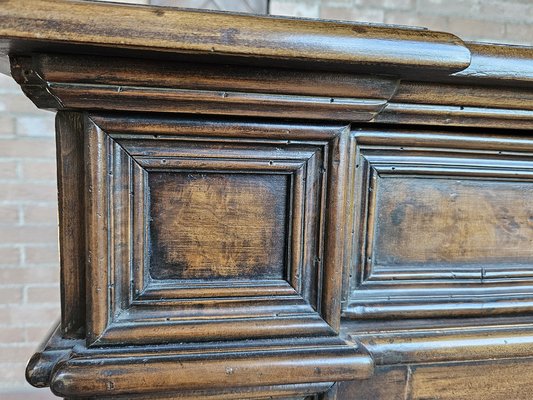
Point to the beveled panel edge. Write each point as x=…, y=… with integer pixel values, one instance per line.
x=235, y=36
x=198, y=128
x=456, y=140
x=380, y=302
x=279, y=319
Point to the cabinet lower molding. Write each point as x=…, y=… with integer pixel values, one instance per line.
x=480, y=380
x=255, y=369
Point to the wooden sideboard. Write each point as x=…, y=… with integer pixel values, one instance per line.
x=274, y=208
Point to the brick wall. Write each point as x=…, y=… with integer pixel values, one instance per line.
x=29, y=289
x=504, y=21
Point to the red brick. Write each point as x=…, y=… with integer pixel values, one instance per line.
x=434, y=22
x=18, y=103
x=470, y=29
x=9, y=256
x=42, y=170
x=36, y=125
x=35, y=334
x=7, y=126
x=40, y=215
x=388, y=4
x=30, y=315
x=8, y=170
x=11, y=374
x=12, y=335
x=359, y=14
x=8, y=85
x=9, y=215
x=10, y=295
x=27, y=392
x=459, y=8
x=42, y=295
x=492, y=10
x=303, y=8
x=16, y=354
x=29, y=234
x=519, y=33
x=22, y=276
x=41, y=255
x=28, y=191
x=336, y=13
x=32, y=148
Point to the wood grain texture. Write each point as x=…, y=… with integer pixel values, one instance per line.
x=271, y=183
x=185, y=31
x=70, y=177
x=306, y=364
x=433, y=230
x=498, y=64
x=271, y=252
x=218, y=226
x=440, y=115
x=147, y=85
x=135, y=72
x=488, y=380
x=442, y=222
x=261, y=369
x=457, y=340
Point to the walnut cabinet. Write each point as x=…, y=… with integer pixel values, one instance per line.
x=271, y=208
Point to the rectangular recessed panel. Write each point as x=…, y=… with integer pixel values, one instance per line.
x=453, y=222
x=218, y=225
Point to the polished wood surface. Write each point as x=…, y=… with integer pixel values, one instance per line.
x=257, y=207
x=233, y=35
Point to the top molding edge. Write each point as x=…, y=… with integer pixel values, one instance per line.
x=80, y=26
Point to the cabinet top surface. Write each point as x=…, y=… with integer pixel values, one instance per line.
x=142, y=31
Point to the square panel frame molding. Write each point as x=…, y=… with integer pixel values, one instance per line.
x=127, y=306
x=405, y=290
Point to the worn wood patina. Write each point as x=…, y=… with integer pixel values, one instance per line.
x=257, y=207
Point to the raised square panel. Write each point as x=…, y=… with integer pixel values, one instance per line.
x=212, y=230
x=454, y=224
x=441, y=228
x=218, y=225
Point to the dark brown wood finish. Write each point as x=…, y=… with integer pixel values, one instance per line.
x=257, y=207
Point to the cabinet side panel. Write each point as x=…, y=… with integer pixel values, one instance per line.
x=70, y=179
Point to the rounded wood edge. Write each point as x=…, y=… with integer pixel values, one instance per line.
x=499, y=63
x=52, y=351
x=452, y=344
x=168, y=30
x=119, y=375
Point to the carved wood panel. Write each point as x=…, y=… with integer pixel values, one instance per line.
x=221, y=237
x=443, y=227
